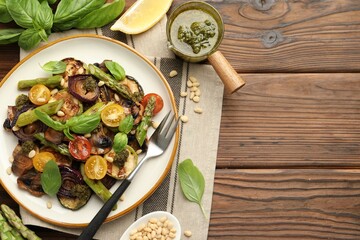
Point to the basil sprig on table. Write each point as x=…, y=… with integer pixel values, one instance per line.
x=192, y=182
x=37, y=19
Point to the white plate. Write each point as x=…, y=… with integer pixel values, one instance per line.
x=90, y=49
x=146, y=218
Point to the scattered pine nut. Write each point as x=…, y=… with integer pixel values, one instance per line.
x=188, y=233
x=9, y=171
x=196, y=84
x=15, y=128
x=41, y=100
x=62, y=82
x=49, y=205
x=87, y=135
x=189, y=84
x=138, y=151
x=183, y=94
x=109, y=159
x=193, y=79
x=184, y=118
x=198, y=110
x=196, y=99
x=198, y=92
x=11, y=159
x=173, y=73
x=192, y=95
x=193, y=89
x=32, y=153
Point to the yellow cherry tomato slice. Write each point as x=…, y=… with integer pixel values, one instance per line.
x=39, y=94
x=95, y=167
x=41, y=158
x=112, y=115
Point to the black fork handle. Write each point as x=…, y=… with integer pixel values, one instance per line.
x=100, y=217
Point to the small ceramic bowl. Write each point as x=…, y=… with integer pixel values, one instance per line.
x=146, y=218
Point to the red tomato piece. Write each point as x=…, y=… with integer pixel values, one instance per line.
x=80, y=148
x=159, y=102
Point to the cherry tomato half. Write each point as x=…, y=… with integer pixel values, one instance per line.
x=96, y=167
x=40, y=160
x=80, y=148
x=159, y=102
x=112, y=115
x=39, y=94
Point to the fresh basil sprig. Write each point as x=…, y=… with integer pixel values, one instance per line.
x=36, y=20
x=192, y=182
x=126, y=124
x=54, y=67
x=116, y=70
x=81, y=124
x=51, y=178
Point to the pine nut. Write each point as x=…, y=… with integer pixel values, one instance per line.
x=15, y=128
x=196, y=84
x=31, y=153
x=189, y=84
x=49, y=205
x=117, y=98
x=193, y=79
x=41, y=100
x=62, y=82
x=198, y=110
x=55, y=90
x=155, y=124
x=198, y=92
x=87, y=135
x=109, y=159
x=173, y=73
x=60, y=113
x=101, y=83
x=188, y=233
x=192, y=95
x=196, y=99
x=138, y=151
x=9, y=171
x=184, y=118
x=11, y=159
x=183, y=94
x=193, y=89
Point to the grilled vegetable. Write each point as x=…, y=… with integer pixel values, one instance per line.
x=84, y=88
x=30, y=117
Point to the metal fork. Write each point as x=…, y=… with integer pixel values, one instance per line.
x=158, y=143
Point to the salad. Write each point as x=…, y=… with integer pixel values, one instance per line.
x=79, y=130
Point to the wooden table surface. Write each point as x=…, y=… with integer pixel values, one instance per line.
x=288, y=163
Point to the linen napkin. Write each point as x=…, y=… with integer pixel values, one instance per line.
x=198, y=137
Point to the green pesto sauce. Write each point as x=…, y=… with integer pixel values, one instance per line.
x=194, y=32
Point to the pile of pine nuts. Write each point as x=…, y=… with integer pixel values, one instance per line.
x=155, y=229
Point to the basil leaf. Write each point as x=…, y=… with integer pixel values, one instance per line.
x=51, y=178
x=192, y=182
x=102, y=16
x=54, y=67
x=23, y=12
x=44, y=16
x=84, y=123
x=126, y=124
x=69, y=12
x=120, y=142
x=29, y=39
x=115, y=69
x=10, y=35
x=5, y=16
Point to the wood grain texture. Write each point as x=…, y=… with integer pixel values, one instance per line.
x=286, y=204
x=292, y=120
x=290, y=35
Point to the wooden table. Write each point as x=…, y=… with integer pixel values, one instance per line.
x=289, y=151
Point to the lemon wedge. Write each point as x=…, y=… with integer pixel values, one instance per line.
x=141, y=16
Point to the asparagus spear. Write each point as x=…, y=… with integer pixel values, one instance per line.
x=6, y=231
x=16, y=222
x=52, y=82
x=29, y=116
x=97, y=186
x=61, y=148
x=109, y=81
x=141, y=130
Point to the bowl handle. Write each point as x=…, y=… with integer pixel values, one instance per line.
x=231, y=79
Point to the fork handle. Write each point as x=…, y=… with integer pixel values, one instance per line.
x=100, y=217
